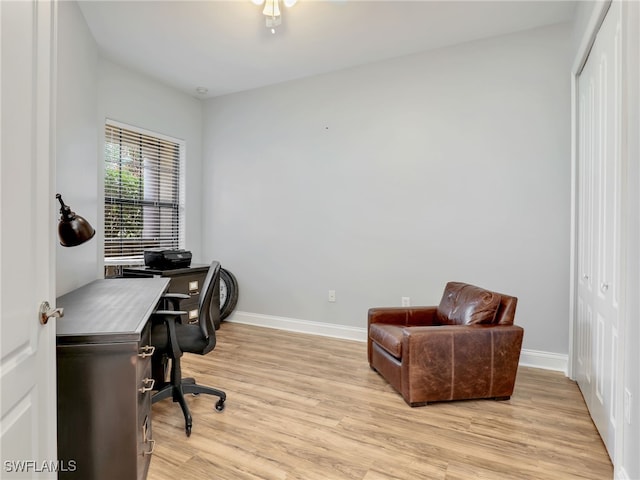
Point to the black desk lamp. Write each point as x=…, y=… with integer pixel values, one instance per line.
x=72, y=229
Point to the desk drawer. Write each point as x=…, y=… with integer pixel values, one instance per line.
x=188, y=285
x=146, y=445
x=145, y=385
x=144, y=381
x=98, y=410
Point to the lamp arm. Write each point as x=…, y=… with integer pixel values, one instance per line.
x=65, y=210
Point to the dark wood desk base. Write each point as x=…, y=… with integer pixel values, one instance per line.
x=104, y=379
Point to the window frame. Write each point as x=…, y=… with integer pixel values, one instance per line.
x=136, y=260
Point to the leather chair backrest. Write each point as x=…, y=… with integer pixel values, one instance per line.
x=507, y=310
x=465, y=304
x=209, y=305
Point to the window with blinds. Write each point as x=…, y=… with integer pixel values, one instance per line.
x=142, y=194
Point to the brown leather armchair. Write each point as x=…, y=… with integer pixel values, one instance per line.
x=466, y=347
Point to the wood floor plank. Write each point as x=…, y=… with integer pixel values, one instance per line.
x=303, y=407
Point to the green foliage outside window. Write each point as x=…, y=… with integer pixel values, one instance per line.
x=125, y=182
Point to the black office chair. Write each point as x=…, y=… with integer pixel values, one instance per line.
x=171, y=338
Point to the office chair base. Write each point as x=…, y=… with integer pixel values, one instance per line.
x=177, y=393
x=189, y=385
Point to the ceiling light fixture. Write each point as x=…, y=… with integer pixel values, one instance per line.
x=272, y=11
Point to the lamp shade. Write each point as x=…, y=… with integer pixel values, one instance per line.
x=72, y=229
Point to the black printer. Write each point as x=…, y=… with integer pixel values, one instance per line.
x=167, y=259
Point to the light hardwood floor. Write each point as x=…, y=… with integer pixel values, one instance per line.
x=309, y=408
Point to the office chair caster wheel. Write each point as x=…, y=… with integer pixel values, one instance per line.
x=220, y=405
x=187, y=430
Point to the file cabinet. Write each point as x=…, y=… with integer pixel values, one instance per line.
x=182, y=280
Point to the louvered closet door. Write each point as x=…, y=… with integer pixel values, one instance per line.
x=599, y=180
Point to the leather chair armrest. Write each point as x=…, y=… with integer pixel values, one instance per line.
x=416, y=339
x=401, y=316
x=407, y=316
x=451, y=361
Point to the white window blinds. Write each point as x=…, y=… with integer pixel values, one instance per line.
x=142, y=198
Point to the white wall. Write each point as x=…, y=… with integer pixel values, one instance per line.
x=138, y=100
x=390, y=179
x=76, y=142
x=91, y=89
x=582, y=17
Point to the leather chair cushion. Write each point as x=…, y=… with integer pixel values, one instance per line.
x=464, y=304
x=389, y=337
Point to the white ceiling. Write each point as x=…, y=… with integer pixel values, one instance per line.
x=225, y=47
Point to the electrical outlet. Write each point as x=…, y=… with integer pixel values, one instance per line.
x=332, y=296
x=406, y=301
x=627, y=406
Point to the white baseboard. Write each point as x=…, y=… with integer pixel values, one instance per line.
x=544, y=360
x=300, y=326
x=528, y=358
x=621, y=474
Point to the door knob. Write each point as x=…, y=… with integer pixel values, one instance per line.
x=46, y=312
x=604, y=287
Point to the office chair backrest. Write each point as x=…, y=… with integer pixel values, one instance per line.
x=209, y=304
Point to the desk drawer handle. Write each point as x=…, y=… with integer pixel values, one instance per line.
x=153, y=447
x=147, y=351
x=147, y=381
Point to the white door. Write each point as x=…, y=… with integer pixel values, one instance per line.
x=27, y=241
x=599, y=194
